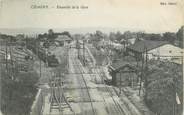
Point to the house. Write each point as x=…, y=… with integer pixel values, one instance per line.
x=123, y=73
x=156, y=50
x=141, y=47
x=132, y=40
x=87, y=38
x=128, y=41
x=108, y=43
x=63, y=40
x=167, y=52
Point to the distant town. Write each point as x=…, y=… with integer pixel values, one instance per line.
x=97, y=73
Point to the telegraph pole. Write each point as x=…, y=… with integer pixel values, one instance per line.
x=40, y=66
x=146, y=71
x=0, y=79
x=11, y=62
x=141, y=76
x=142, y=71
x=84, y=53
x=6, y=55
x=183, y=72
x=78, y=47
x=38, y=44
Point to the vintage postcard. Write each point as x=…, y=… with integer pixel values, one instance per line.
x=91, y=57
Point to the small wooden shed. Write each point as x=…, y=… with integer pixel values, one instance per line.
x=123, y=74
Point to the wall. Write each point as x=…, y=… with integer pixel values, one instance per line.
x=166, y=52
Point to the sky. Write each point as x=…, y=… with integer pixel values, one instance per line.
x=142, y=15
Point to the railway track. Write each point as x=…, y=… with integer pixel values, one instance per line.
x=121, y=109
x=110, y=102
x=58, y=99
x=82, y=82
x=116, y=107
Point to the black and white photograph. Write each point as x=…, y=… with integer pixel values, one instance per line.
x=91, y=57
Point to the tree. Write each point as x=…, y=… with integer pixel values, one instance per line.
x=127, y=34
x=50, y=35
x=152, y=36
x=99, y=35
x=112, y=36
x=170, y=37
x=18, y=94
x=66, y=33
x=164, y=81
x=140, y=34
x=50, y=32
x=180, y=36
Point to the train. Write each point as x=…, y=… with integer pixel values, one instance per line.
x=51, y=60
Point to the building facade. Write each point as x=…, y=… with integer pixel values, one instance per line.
x=124, y=74
x=156, y=50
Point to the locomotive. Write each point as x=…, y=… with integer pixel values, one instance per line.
x=51, y=60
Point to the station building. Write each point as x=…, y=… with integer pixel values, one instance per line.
x=63, y=40
x=159, y=50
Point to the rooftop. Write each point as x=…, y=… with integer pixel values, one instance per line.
x=130, y=61
x=141, y=46
x=63, y=38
